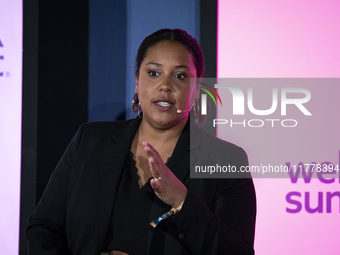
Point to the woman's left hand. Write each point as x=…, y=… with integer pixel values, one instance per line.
x=165, y=184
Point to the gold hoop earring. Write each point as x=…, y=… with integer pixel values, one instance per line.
x=139, y=115
x=195, y=110
x=196, y=105
x=135, y=104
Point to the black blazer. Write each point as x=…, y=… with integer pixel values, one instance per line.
x=72, y=217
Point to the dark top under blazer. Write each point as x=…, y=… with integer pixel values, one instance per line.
x=218, y=216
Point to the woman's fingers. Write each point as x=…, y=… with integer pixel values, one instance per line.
x=155, y=161
x=157, y=187
x=165, y=184
x=156, y=173
x=156, y=182
x=152, y=152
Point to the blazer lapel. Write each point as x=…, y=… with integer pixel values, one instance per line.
x=179, y=161
x=114, y=155
x=185, y=153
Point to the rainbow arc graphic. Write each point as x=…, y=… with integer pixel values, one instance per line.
x=209, y=93
x=204, y=97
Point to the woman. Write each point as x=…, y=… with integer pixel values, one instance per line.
x=112, y=180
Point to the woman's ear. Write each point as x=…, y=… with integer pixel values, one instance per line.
x=198, y=91
x=198, y=95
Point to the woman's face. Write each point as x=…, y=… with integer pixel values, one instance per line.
x=163, y=84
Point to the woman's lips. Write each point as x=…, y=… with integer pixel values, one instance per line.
x=163, y=105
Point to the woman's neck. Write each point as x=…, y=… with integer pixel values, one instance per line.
x=159, y=137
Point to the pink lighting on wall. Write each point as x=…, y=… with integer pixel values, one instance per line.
x=288, y=39
x=10, y=123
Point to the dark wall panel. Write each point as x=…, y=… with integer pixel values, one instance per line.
x=62, y=80
x=208, y=42
x=29, y=117
x=107, y=59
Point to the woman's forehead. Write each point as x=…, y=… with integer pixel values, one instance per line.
x=166, y=52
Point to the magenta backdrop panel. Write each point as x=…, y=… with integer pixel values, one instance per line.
x=10, y=123
x=287, y=39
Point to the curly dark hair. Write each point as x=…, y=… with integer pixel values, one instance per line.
x=173, y=35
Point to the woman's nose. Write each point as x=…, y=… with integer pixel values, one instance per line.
x=166, y=85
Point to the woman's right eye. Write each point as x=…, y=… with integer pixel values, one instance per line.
x=153, y=73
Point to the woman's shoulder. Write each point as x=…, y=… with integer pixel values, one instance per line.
x=96, y=131
x=212, y=152
x=213, y=143
x=104, y=127
x=96, y=126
